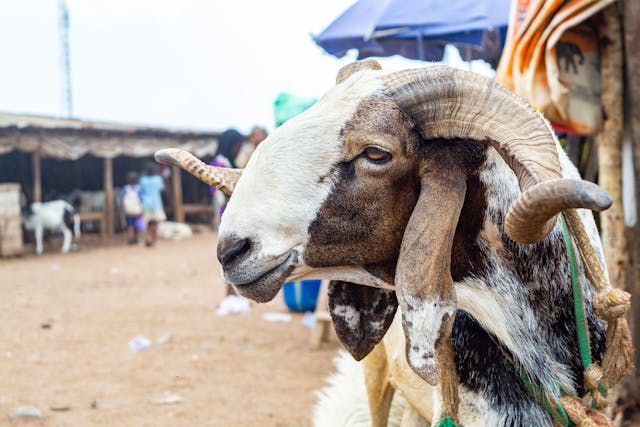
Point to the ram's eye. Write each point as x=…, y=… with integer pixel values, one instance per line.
x=376, y=155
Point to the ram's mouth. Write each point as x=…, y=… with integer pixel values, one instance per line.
x=266, y=285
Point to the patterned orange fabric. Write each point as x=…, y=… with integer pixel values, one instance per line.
x=551, y=59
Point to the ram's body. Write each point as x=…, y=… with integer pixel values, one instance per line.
x=436, y=191
x=56, y=215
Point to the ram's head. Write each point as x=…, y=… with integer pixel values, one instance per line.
x=366, y=187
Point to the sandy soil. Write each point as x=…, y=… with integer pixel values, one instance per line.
x=65, y=321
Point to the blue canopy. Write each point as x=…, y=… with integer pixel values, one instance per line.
x=419, y=29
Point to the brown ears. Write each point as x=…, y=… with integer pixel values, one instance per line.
x=361, y=315
x=423, y=274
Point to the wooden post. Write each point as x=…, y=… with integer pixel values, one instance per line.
x=108, y=196
x=37, y=177
x=610, y=146
x=176, y=181
x=614, y=236
x=631, y=25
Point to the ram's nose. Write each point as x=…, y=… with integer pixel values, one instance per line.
x=233, y=249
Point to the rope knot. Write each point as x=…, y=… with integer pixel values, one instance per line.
x=580, y=416
x=612, y=304
x=593, y=381
x=593, y=376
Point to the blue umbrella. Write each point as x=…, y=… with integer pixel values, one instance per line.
x=419, y=29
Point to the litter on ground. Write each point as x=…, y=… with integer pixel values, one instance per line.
x=233, y=304
x=277, y=317
x=139, y=343
x=167, y=398
x=27, y=412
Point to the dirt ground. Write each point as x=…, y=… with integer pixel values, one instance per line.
x=65, y=324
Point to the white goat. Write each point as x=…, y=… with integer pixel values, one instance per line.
x=52, y=216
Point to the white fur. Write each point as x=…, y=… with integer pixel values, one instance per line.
x=350, y=315
x=50, y=216
x=473, y=411
x=344, y=402
x=289, y=166
x=426, y=319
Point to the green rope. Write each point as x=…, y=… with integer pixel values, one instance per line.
x=578, y=303
x=447, y=422
x=555, y=408
x=582, y=329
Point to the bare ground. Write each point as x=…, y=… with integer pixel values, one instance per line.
x=65, y=321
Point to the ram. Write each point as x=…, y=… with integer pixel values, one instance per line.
x=437, y=190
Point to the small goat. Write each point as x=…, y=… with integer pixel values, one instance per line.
x=439, y=191
x=56, y=215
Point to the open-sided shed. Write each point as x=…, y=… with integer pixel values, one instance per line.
x=71, y=139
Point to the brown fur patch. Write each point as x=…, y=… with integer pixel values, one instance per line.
x=363, y=220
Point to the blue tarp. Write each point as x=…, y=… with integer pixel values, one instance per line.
x=418, y=29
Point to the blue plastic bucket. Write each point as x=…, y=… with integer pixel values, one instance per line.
x=302, y=295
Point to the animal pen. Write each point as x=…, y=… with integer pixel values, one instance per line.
x=52, y=157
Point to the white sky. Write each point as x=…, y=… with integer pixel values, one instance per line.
x=181, y=63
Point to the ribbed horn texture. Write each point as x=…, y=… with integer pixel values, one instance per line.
x=449, y=103
x=349, y=69
x=223, y=178
x=533, y=209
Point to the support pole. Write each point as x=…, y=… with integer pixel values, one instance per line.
x=610, y=146
x=37, y=177
x=176, y=181
x=108, y=196
x=631, y=25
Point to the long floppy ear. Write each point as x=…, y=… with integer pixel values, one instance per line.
x=423, y=274
x=361, y=315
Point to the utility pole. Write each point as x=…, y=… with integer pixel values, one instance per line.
x=65, y=59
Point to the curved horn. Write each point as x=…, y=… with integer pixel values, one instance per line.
x=350, y=69
x=223, y=178
x=451, y=103
x=533, y=209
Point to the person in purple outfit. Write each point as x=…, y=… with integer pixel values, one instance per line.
x=131, y=202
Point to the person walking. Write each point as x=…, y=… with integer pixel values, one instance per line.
x=131, y=202
x=151, y=186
